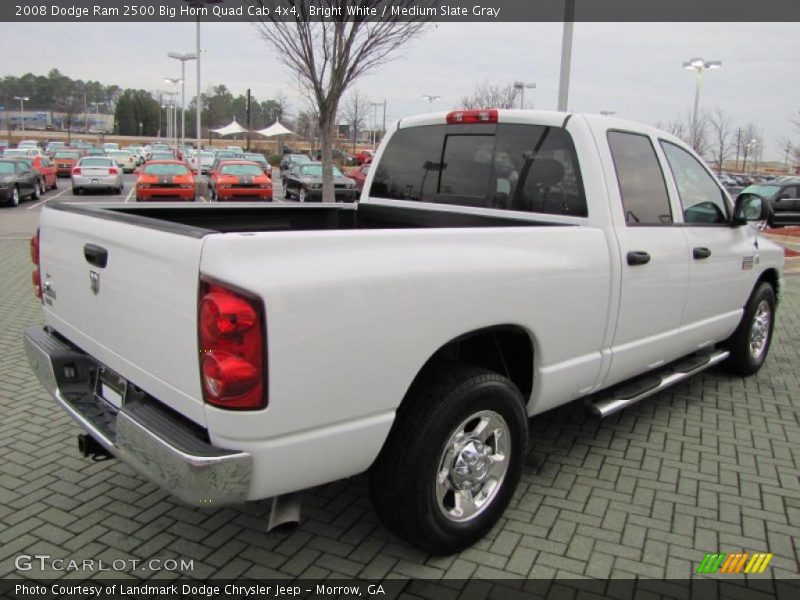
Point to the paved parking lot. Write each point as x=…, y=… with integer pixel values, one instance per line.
x=708, y=466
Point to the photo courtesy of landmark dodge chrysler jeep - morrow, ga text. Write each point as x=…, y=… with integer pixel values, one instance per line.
x=499, y=263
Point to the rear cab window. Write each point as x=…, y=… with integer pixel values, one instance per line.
x=507, y=166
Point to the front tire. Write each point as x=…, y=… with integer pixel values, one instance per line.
x=15, y=196
x=453, y=458
x=749, y=344
x=301, y=195
x=42, y=188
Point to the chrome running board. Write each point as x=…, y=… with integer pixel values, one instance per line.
x=625, y=394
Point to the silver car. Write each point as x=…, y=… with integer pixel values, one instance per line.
x=96, y=172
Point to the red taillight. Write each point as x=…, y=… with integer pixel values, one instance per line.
x=113, y=170
x=232, y=340
x=484, y=115
x=36, y=276
x=76, y=171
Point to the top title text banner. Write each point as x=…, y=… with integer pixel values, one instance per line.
x=29, y=11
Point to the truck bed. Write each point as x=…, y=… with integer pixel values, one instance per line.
x=199, y=220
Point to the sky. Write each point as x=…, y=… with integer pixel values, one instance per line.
x=632, y=69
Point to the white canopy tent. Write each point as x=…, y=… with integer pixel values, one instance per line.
x=275, y=129
x=230, y=129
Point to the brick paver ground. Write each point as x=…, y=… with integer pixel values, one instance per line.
x=710, y=465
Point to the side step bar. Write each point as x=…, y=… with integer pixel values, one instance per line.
x=631, y=392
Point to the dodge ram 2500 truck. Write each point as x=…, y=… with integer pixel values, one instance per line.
x=498, y=264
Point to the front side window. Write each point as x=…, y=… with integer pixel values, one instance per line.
x=641, y=181
x=530, y=168
x=701, y=199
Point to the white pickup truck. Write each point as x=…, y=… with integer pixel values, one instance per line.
x=499, y=264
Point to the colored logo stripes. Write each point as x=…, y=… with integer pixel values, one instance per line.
x=742, y=562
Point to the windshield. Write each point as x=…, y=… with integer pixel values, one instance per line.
x=95, y=162
x=120, y=154
x=242, y=170
x=6, y=168
x=162, y=156
x=316, y=171
x=762, y=190
x=15, y=153
x=225, y=154
x=256, y=158
x=299, y=158
x=165, y=169
x=206, y=156
x=73, y=155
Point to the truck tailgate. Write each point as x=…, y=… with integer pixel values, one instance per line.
x=137, y=314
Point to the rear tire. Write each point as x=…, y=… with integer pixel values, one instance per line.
x=76, y=191
x=42, y=188
x=453, y=458
x=749, y=344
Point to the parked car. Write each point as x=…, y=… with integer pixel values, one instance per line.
x=17, y=182
x=492, y=272
x=21, y=151
x=53, y=147
x=240, y=180
x=261, y=160
x=165, y=180
x=48, y=177
x=220, y=156
x=65, y=160
x=238, y=151
x=359, y=175
x=161, y=155
x=138, y=153
x=4, y=144
x=783, y=198
x=109, y=146
x=124, y=159
x=94, y=151
x=29, y=144
x=304, y=182
x=96, y=172
x=290, y=160
x=206, y=162
x=364, y=157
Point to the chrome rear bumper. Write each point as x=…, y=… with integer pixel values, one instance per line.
x=156, y=443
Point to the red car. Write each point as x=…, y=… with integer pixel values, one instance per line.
x=364, y=157
x=165, y=180
x=48, y=179
x=65, y=160
x=359, y=175
x=240, y=180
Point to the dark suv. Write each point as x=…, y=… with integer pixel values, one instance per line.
x=783, y=198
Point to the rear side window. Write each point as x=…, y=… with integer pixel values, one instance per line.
x=519, y=167
x=641, y=181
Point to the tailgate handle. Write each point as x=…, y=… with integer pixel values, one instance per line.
x=95, y=255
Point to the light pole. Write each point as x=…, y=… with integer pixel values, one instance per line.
x=199, y=4
x=22, y=101
x=183, y=58
x=375, y=106
x=566, y=55
x=430, y=100
x=608, y=113
x=521, y=86
x=174, y=81
x=748, y=147
x=698, y=65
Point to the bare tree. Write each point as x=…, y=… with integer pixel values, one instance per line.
x=721, y=132
x=487, y=95
x=328, y=56
x=697, y=138
x=355, y=113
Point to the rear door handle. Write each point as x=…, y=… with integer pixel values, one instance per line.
x=95, y=255
x=638, y=258
x=701, y=253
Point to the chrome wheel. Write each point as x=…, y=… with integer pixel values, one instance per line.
x=15, y=197
x=759, y=332
x=472, y=466
x=302, y=195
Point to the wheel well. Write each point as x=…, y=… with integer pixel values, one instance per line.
x=505, y=349
x=771, y=277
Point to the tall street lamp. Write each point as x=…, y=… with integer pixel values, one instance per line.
x=22, y=101
x=521, y=86
x=430, y=100
x=698, y=65
x=608, y=113
x=199, y=4
x=183, y=58
x=375, y=106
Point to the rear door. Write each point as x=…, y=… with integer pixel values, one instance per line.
x=653, y=257
x=127, y=295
